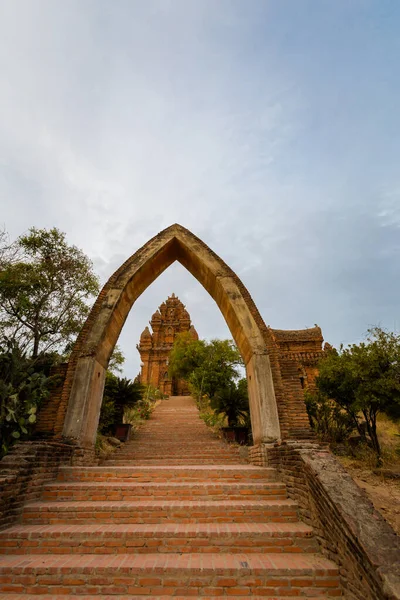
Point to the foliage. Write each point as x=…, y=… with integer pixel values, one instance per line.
x=23, y=386
x=327, y=418
x=212, y=418
x=116, y=361
x=207, y=366
x=364, y=379
x=145, y=407
x=232, y=400
x=44, y=287
x=119, y=394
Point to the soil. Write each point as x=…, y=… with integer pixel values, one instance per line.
x=383, y=492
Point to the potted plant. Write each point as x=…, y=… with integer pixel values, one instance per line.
x=232, y=401
x=122, y=393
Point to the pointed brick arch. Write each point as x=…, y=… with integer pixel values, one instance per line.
x=78, y=411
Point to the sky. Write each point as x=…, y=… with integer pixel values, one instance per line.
x=269, y=128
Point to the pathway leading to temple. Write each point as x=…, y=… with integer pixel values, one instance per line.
x=174, y=513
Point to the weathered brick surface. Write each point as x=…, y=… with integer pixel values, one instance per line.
x=47, y=414
x=23, y=473
x=350, y=531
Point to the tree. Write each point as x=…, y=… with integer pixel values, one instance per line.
x=327, y=418
x=44, y=288
x=116, y=361
x=364, y=379
x=208, y=366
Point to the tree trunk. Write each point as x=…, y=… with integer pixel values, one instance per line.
x=373, y=434
x=36, y=346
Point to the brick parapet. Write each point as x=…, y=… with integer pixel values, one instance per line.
x=24, y=472
x=349, y=530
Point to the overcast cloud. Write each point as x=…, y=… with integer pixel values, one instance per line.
x=269, y=128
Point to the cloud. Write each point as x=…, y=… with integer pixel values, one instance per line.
x=270, y=131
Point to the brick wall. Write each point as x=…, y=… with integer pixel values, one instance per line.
x=48, y=410
x=350, y=531
x=24, y=471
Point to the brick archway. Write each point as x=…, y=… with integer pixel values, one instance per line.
x=78, y=411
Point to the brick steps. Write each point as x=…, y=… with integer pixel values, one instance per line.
x=170, y=574
x=75, y=491
x=166, y=517
x=176, y=473
x=165, y=461
x=168, y=537
x=156, y=511
x=130, y=597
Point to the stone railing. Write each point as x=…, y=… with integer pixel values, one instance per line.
x=350, y=531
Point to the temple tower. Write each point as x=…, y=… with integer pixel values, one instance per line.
x=168, y=321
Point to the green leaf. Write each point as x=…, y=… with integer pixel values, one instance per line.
x=16, y=434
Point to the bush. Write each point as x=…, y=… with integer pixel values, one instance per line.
x=22, y=389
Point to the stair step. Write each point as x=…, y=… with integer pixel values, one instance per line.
x=168, y=473
x=188, y=511
x=130, y=597
x=78, y=491
x=166, y=537
x=172, y=463
x=290, y=575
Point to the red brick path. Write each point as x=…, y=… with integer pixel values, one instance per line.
x=173, y=513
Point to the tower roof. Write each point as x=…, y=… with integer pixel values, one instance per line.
x=145, y=334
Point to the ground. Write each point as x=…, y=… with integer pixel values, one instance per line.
x=384, y=493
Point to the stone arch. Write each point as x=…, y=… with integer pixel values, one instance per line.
x=79, y=408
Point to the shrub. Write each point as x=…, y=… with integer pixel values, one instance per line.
x=22, y=389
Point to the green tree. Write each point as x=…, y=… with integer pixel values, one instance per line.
x=208, y=366
x=44, y=288
x=116, y=361
x=364, y=380
x=327, y=418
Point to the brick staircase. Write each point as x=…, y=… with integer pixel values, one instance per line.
x=175, y=513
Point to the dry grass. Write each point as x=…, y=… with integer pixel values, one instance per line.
x=383, y=492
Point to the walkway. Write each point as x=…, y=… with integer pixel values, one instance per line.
x=173, y=513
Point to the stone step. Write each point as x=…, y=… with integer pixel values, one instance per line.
x=290, y=575
x=160, y=511
x=171, y=462
x=171, y=456
x=238, y=473
x=78, y=491
x=167, y=537
x=172, y=451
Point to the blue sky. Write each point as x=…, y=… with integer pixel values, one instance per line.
x=271, y=129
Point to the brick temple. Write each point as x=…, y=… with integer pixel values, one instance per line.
x=168, y=321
